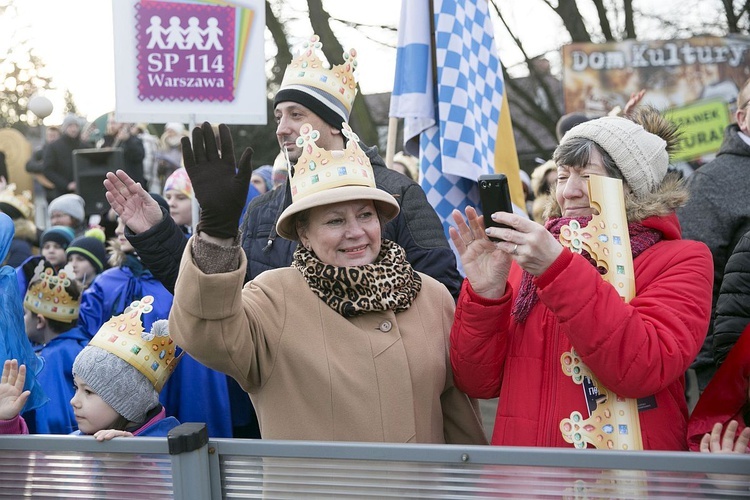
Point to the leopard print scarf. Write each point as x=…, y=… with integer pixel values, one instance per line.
x=389, y=283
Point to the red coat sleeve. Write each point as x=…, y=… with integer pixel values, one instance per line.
x=478, y=342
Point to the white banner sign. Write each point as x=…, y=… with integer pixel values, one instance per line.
x=190, y=61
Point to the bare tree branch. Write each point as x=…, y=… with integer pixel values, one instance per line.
x=601, y=10
x=547, y=120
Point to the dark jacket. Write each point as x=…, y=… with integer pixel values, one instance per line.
x=417, y=229
x=133, y=154
x=58, y=164
x=733, y=304
x=160, y=249
x=718, y=214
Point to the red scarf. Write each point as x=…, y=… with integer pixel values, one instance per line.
x=641, y=238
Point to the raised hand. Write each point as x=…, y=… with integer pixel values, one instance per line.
x=137, y=209
x=635, y=99
x=220, y=190
x=532, y=246
x=730, y=442
x=485, y=264
x=108, y=434
x=12, y=395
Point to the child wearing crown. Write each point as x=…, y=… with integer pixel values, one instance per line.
x=195, y=393
x=53, y=242
x=50, y=317
x=117, y=379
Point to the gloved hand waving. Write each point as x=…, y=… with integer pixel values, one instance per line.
x=219, y=188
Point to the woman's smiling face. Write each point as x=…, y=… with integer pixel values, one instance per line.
x=343, y=234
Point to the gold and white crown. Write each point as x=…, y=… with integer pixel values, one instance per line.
x=21, y=202
x=151, y=353
x=319, y=169
x=48, y=294
x=307, y=69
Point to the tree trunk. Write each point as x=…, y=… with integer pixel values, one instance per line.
x=627, y=7
x=283, y=52
x=572, y=19
x=601, y=10
x=360, y=119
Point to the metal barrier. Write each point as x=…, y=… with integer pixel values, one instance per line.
x=188, y=465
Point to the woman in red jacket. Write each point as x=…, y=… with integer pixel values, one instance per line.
x=536, y=324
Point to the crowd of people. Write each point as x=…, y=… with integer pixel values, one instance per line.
x=327, y=304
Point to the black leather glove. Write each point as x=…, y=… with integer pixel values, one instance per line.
x=219, y=188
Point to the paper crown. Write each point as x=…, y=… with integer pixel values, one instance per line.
x=151, y=353
x=308, y=70
x=319, y=169
x=21, y=202
x=323, y=177
x=48, y=293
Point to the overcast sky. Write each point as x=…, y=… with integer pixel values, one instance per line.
x=74, y=39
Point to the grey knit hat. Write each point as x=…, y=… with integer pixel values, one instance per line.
x=641, y=156
x=70, y=204
x=117, y=382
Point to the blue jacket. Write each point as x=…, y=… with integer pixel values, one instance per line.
x=194, y=393
x=157, y=426
x=56, y=378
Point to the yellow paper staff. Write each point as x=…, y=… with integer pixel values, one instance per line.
x=614, y=424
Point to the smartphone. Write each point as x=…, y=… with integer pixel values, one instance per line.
x=494, y=196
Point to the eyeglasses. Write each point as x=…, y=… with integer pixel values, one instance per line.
x=744, y=105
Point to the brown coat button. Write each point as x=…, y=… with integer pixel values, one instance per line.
x=385, y=326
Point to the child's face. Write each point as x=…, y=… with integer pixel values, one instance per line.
x=92, y=413
x=58, y=218
x=54, y=253
x=33, y=332
x=180, y=207
x=120, y=233
x=82, y=268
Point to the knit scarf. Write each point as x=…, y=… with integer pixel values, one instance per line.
x=389, y=283
x=641, y=238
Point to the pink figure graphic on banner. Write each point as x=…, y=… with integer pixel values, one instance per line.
x=196, y=63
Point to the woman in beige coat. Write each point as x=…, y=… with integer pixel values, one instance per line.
x=347, y=344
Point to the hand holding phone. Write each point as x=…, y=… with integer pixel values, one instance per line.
x=494, y=196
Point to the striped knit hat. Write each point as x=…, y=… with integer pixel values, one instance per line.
x=91, y=248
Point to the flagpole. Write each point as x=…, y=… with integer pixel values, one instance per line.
x=390, y=147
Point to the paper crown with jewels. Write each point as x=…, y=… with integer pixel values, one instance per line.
x=52, y=295
x=308, y=71
x=21, y=203
x=151, y=353
x=323, y=177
